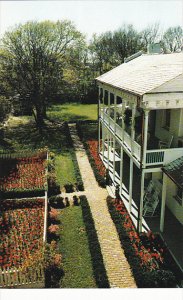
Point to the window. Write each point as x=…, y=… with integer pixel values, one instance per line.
x=166, y=119
x=179, y=196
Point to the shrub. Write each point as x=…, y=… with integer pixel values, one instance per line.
x=69, y=187
x=56, y=202
x=148, y=270
x=53, y=265
x=53, y=186
x=53, y=214
x=53, y=229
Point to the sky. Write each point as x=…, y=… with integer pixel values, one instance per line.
x=94, y=16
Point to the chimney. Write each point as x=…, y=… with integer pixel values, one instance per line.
x=154, y=49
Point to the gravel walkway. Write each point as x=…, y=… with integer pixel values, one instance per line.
x=117, y=268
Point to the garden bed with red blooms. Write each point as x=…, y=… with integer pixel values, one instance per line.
x=22, y=174
x=21, y=230
x=96, y=162
x=146, y=259
x=93, y=148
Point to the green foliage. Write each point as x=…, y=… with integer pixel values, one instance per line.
x=72, y=112
x=5, y=109
x=172, y=39
x=73, y=243
x=34, y=57
x=145, y=279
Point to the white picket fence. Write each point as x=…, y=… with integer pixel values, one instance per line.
x=15, y=278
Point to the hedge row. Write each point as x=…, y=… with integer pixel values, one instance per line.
x=95, y=250
x=158, y=278
x=100, y=179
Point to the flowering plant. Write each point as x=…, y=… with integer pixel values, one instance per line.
x=150, y=258
x=53, y=228
x=21, y=231
x=93, y=148
x=53, y=214
x=22, y=174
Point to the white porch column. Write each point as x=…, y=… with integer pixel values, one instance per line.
x=146, y=119
x=109, y=104
x=162, y=217
x=114, y=144
x=108, y=133
x=103, y=140
x=131, y=158
x=121, y=170
x=99, y=118
x=122, y=137
x=141, y=201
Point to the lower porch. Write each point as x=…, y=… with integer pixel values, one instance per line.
x=173, y=229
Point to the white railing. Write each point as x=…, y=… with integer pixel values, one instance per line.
x=14, y=277
x=153, y=157
x=127, y=137
x=162, y=156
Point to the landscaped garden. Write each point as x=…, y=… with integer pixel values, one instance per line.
x=72, y=227
x=21, y=231
x=149, y=258
x=23, y=174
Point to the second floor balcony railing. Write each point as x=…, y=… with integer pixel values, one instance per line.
x=155, y=157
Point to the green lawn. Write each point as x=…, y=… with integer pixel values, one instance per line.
x=73, y=244
x=64, y=168
x=22, y=134
x=73, y=112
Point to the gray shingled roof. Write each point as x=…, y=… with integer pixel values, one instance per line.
x=175, y=171
x=145, y=73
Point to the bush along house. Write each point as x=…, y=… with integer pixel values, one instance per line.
x=140, y=115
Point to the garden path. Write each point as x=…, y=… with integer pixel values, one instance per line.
x=116, y=265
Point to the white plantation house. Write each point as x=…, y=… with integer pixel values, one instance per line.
x=141, y=128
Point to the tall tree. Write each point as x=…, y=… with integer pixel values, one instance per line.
x=151, y=34
x=173, y=39
x=126, y=42
x=33, y=58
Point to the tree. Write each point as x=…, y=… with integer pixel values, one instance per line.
x=33, y=58
x=151, y=34
x=173, y=39
x=126, y=42
x=102, y=55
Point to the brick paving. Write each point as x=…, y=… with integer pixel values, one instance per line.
x=116, y=265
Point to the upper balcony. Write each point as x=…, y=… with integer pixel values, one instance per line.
x=152, y=156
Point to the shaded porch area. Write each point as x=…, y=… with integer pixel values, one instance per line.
x=173, y=230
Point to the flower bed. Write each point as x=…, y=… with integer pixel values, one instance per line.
x=22, y=174
x=91, y=147
x=21, y=230
x=146, y=259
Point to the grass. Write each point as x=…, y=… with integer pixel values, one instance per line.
x=73, y=244
x=72, y=112
x=22, y=134
x=64, y=169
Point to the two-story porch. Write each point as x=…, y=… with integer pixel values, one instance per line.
x=141, y=119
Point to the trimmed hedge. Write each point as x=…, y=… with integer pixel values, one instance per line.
x=144, y=278
x=95, y=250
x=22, y=194
x=100, y=179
